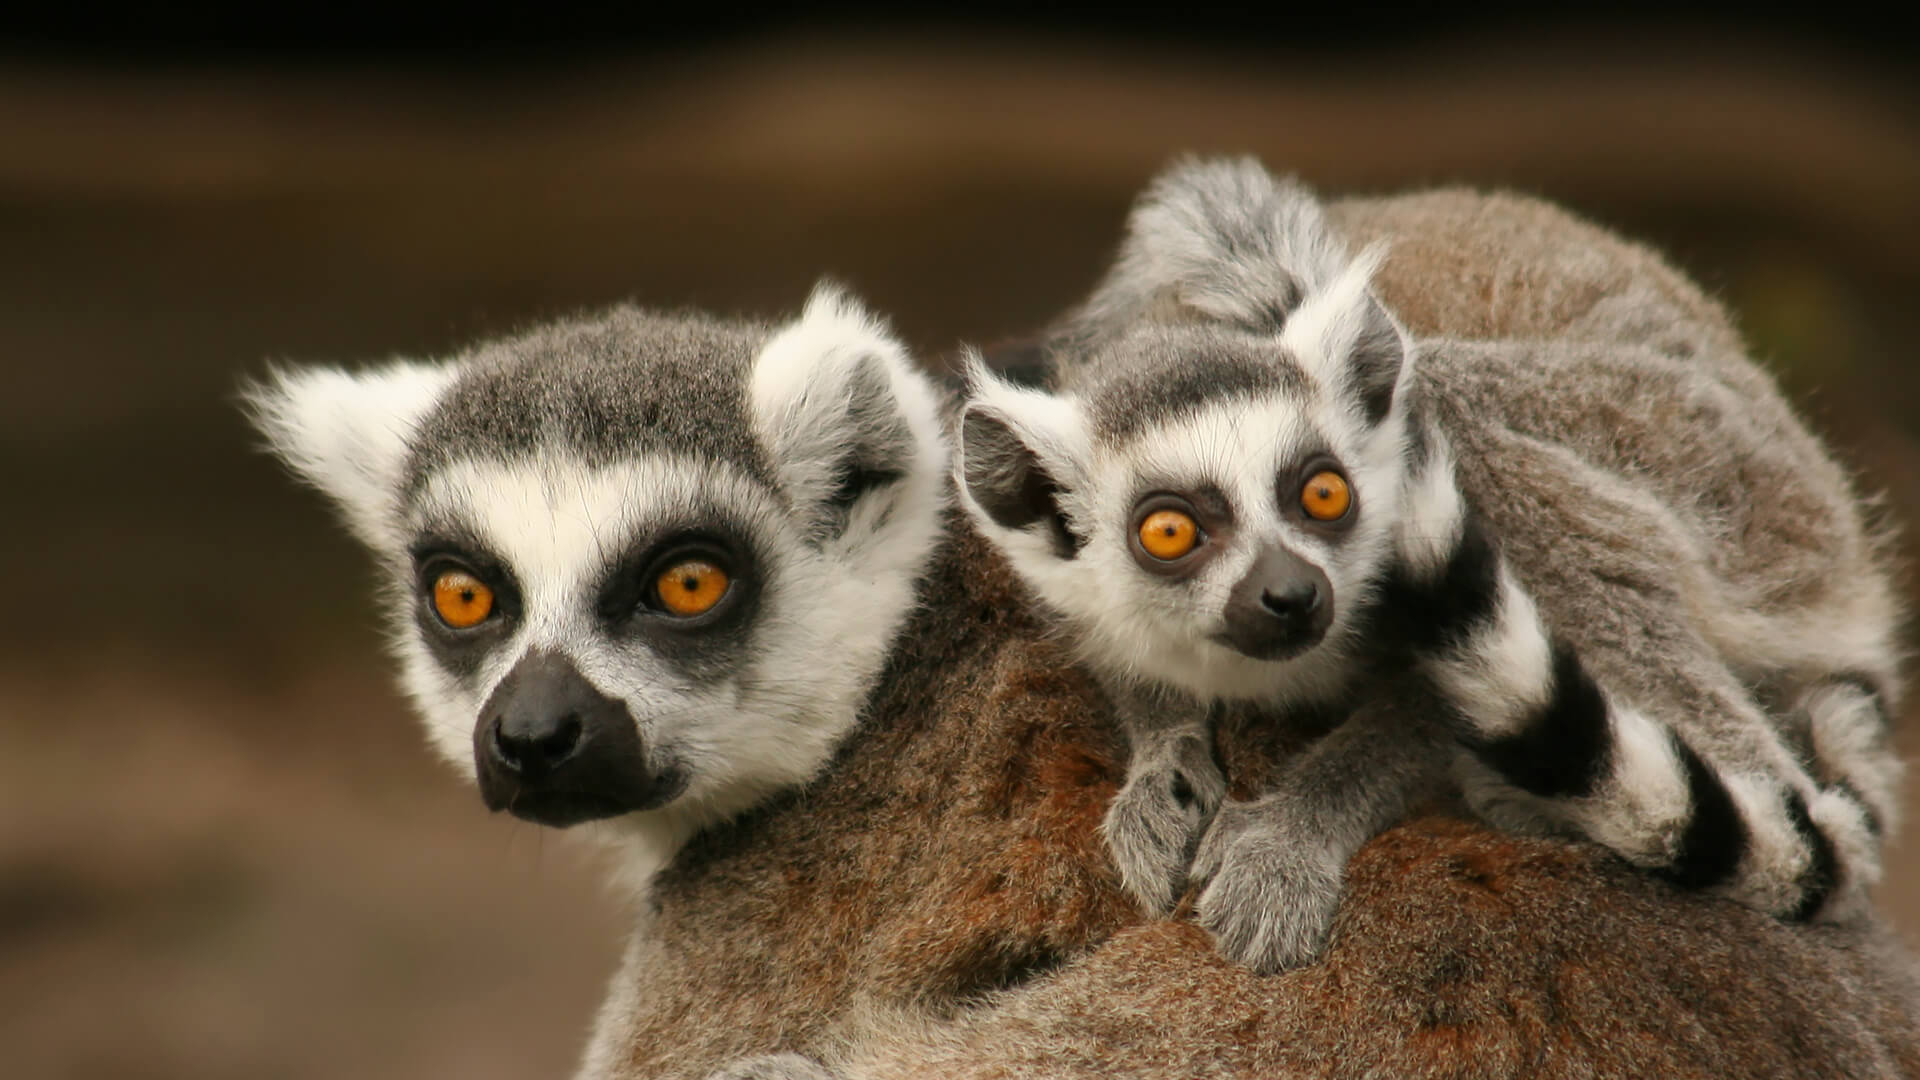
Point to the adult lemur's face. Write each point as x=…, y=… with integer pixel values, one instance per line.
x=637, y=565
x=1209, y=507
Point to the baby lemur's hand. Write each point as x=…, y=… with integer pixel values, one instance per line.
x=1155, y=822
x=1272, y=885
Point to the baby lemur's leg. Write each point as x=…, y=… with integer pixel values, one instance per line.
x=1173, y=787
x=1275, y=867
x=1692, y=780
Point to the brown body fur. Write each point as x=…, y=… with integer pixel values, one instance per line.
x=939, y=903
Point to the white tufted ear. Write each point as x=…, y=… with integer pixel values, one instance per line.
x=1348, y=341
x=347, y=434
x=1021, y=451
x=852, y=426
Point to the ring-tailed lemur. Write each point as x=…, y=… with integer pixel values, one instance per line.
x=641, y=569
x=1246, y=483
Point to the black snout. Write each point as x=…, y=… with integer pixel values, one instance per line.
x=1282, y=607
x=535, y=738
x=550, y=747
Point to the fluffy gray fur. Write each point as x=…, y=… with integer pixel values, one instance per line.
x=1702, y=684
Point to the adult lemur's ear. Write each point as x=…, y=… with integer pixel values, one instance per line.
x=852, y=427
x=1348, y=341
x=347, y=433
x=1022, y=453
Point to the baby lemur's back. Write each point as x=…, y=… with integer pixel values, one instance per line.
x=1670, y=460
x=1804, y=554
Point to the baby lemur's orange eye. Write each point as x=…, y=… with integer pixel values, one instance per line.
x=691, y=587
x=1168, y=534
x=461, y=599
x=1326, y=496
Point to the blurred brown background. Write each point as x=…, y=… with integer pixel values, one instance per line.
x=223, y=850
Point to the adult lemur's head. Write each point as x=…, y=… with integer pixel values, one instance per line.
x=639, y=566
x=1211, y=489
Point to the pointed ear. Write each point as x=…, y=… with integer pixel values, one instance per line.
x=852, y=426
x=1346, y=338
x=1022, y=452
x=348, y=434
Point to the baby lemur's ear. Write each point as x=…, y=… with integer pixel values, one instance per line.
x=852, y=427
x=348, y=433
x=1346, y=339
x=1023, y=453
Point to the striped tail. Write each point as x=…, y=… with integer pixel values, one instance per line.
x=1549, y=748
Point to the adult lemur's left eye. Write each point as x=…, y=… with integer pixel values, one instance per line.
x=1326, y=496
x=1168, y=534
x=691, y=587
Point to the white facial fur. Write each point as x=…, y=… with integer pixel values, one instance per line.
x=833, y=595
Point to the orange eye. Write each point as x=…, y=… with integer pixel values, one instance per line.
x=1326, y=496
x=692, y=587
x=1168, y=534
x=461, y=599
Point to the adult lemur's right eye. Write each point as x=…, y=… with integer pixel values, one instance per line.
x=1169, y=534
x=691, y=587
x=462, y=600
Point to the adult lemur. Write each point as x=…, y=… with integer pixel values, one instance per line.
x=1247, y=484
x=936, y=899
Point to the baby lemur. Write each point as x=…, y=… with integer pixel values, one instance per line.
x=1643, y=591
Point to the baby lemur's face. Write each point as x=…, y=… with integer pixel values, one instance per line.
x=639, y=567
x=1208, y=507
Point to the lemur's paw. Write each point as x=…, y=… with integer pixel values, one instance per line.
x=1271, y=891
x=1156, y=820
x=774, y=1067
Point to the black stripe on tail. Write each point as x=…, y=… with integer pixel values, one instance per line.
x=1716, y=836
x=1822, y=874
x=1562, y=749
x=1434, y=616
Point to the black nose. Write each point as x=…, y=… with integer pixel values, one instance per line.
x=1292, y=601
x=551, y=748
x=1281, y=608
x=532, y=743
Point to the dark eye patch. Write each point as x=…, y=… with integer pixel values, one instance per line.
x=627, y=606
x=1291, y=482
x=461, y=651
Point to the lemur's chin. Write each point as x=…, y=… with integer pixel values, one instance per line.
x=560, y=809
x=1271, y=648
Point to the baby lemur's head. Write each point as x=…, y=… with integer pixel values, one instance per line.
x=638, y=566
x=1208, y=493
